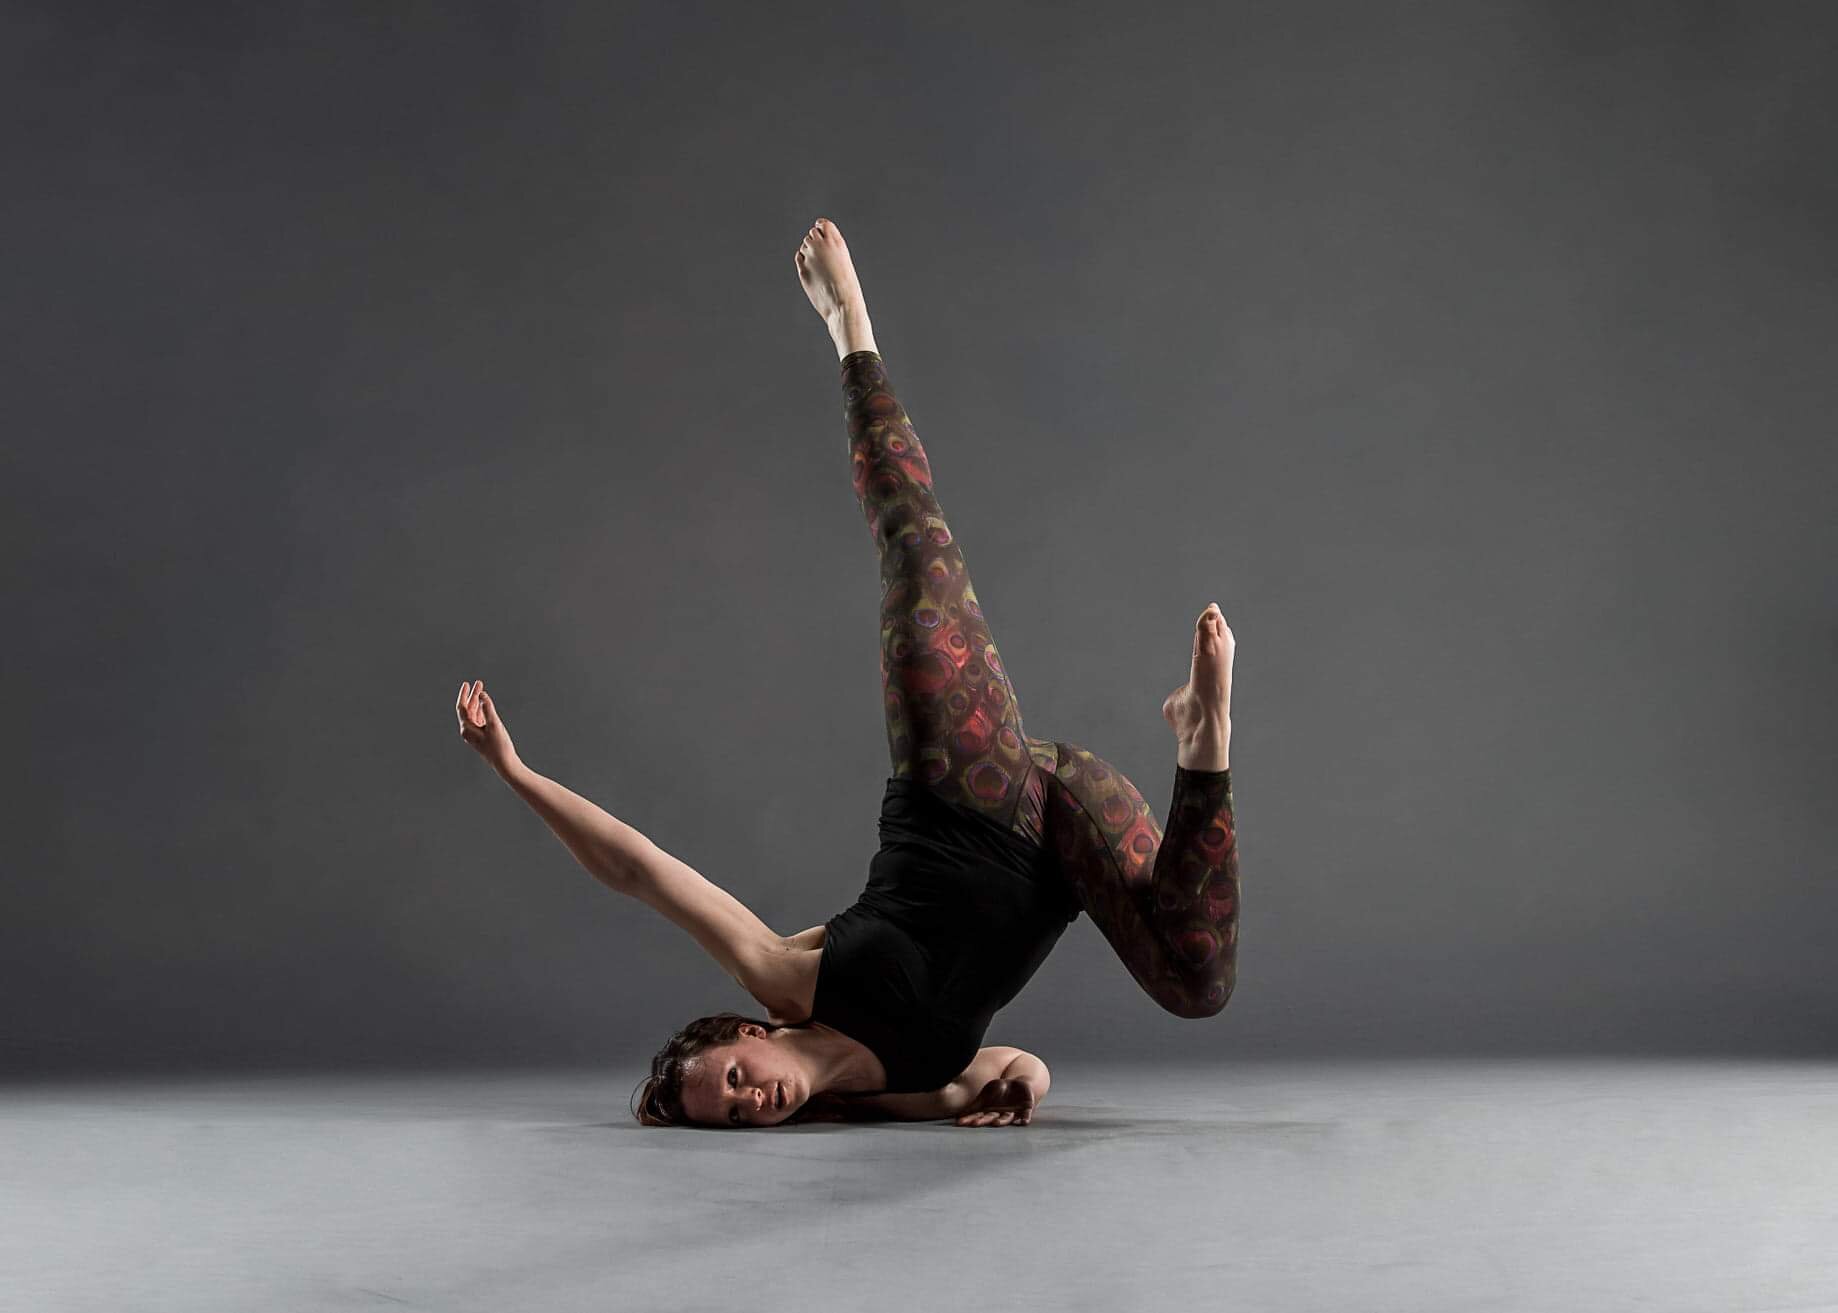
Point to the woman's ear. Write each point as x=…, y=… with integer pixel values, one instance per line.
x=756, y=1032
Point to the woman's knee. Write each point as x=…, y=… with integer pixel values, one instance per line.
x=1207, y=999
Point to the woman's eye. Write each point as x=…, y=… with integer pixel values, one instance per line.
x=732, y=1073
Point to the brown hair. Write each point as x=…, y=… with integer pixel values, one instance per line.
x=659, y=1100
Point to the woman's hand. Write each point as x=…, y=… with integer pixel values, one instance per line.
x=1003, y=1102
x=479, y=725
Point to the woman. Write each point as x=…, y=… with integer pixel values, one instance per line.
x=991, y=841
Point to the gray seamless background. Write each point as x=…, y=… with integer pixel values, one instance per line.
x=1474, y=357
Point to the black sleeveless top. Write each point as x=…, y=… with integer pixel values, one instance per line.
x=957, y=916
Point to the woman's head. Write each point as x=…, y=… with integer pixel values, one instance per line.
x=725, y=1070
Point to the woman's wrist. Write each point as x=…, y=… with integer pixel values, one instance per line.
x=954, y=1098
x=511, y=770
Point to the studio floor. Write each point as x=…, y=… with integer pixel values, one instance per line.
x=1352, y=1186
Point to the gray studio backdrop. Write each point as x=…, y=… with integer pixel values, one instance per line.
x=1476, y=358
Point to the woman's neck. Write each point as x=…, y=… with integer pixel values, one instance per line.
x=836, y=1063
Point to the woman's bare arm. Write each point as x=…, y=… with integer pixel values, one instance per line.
x=606, y=846
x=980, y=1096
x=609, y=849
x=920, y=1106
x=628, y=862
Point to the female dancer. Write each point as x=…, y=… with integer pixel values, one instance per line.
x=991, y=841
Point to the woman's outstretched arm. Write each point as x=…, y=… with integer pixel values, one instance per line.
x=626, y=861
x=607, y=847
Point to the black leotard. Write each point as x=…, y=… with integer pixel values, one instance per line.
x=957, y=915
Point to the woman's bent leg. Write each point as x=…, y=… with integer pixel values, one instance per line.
x=952, y=719
x=1168, y=903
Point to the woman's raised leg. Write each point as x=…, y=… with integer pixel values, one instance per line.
x=1167, y=902
x=952, y=718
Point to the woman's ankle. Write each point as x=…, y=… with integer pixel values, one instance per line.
x=851, y=331
x=1207, y=748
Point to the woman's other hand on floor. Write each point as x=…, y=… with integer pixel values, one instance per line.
x=480, y=726
x=1003, y=1102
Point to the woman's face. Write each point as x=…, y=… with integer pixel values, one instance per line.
x=751, y=1082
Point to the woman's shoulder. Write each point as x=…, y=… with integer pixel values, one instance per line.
x=793, y=977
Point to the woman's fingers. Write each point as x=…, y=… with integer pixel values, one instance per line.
x=470, y=706
x=992, y=1119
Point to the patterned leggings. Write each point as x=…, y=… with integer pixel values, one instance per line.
x=1168, y=903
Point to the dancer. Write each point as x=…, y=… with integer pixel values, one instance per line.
x=991, y=842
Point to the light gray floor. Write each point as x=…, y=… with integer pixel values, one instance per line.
x=1344, y=1186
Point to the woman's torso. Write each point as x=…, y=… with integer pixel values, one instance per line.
x=956, y=916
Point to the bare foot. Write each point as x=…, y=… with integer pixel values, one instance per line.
x=828, y=275
x=1200, y=711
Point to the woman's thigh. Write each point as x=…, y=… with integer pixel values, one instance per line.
x=953, y=721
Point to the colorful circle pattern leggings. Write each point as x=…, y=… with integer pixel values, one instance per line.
x=1167, y=902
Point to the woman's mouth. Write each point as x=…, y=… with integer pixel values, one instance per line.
x=778, y=1095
